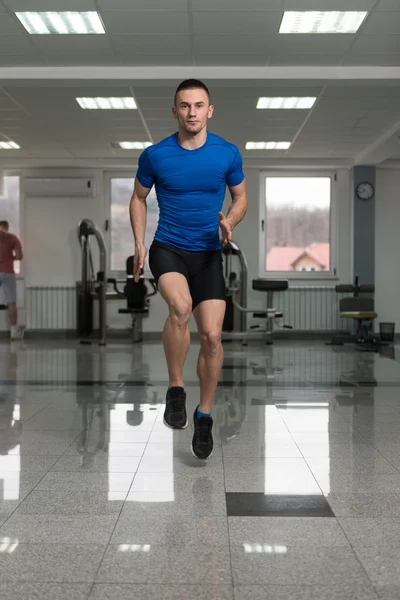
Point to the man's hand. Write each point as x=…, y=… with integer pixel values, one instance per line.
x=226, y=228
x=138, y=261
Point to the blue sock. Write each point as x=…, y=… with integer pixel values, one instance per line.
x=201, y=414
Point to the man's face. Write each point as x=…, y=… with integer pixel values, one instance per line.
x=192, y=110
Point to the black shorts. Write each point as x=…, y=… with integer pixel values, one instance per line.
x=203, y=270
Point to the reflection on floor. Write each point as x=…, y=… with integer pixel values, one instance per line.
x=301, y=499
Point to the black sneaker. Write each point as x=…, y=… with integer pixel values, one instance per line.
x=202, y=443
x=175, y=410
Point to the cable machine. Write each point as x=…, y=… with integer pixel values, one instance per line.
x=91, y=285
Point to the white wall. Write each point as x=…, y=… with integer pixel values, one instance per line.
x=52, y=255
x=387, y=245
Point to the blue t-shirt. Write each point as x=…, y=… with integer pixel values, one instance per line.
x=190, y=187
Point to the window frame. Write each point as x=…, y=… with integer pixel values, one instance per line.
x=306, y=276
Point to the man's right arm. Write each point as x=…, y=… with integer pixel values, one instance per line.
x=138, y=212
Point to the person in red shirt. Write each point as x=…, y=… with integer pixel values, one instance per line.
x=10, y=250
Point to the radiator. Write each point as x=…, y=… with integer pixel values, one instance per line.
x=50, y=308
x=305, y=308
x=310, y=308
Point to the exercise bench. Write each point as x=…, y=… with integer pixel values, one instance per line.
x=270, y=315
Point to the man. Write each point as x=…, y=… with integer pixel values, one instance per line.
x=10, y=250
x=190, y=171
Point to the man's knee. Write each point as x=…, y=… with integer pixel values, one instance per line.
x=211, y=341
x=180, y=311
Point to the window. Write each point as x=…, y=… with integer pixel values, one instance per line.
x=9, y=206
x=122, y=243
x=297, y=234
x=308, y=269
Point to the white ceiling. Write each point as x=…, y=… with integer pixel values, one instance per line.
x=352, y=121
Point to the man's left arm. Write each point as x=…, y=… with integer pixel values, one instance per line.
x=17, y=249
x=236, y=212
x=238, y=207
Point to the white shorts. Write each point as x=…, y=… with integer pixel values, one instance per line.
x=8, y=285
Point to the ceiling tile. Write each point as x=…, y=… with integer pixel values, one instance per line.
x=382, y=22
x=389, y=5
x=7, y=103
x=213, y=60
x=16, y=44
x=83, y=60
x=146, y=22
x=229, y=5
x=375, y=60
x=142, y=5
x=230, y=44
x=241, y=95
x=16, y=60
x=49, y=5
x=236, y=22
x=10, y=25
x=154, y=103
x=376, y=44
x=311, y=59
x=310, y=43
x=165, y=60
x=73, y=44
x=152, y=44
x=154, y=91
x=163, y=113
x=299, y=5
x=92, y=152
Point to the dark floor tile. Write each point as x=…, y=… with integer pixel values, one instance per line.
x=261, y=505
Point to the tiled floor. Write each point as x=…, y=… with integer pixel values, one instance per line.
x=99, y=501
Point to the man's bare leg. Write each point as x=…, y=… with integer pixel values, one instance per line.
x=12, y=313
x=176, y=339
x=209, y=317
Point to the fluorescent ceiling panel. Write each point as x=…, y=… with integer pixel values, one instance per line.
x=132, y=145
x=107, y=103
x=61, y=22
x=267, y=145
x=286, y=103
x=9, y=146
x=322, y=21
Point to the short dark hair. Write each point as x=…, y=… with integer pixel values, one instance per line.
x=192, y=84
x=4, y=224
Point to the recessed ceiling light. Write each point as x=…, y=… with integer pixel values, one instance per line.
x=322, y=21
x=132, y=145
x=107, y=103
x=61, y=22
x=285, y=103
x=9, y=146
x=267, y=145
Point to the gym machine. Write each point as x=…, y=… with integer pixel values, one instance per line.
x=93, y=287
x=235, y=325
x=137, y=297
x=90, y=286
